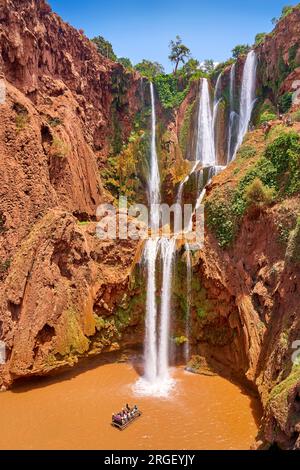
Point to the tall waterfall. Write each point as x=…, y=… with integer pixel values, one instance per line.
x=156, y=380
x=247, y=98
x=205, y=150
x=154, y=181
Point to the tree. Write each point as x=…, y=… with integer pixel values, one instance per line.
x=240, y=49
x=286, y=11
x=274, y=21
x=208, y=66
x=149, y=69
x=259, y=38
x=104, y=48
x=125, y=62
x=179, y=52
x=190, y=68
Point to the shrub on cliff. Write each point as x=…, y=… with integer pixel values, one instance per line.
x=171, y=91
x=266, y=117
x=284, y=154
x=240, y=49
x=257, y=194
x=259, y=38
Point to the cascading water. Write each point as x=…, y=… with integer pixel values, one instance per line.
x=156, y=380
x=154, y=181
x=188, y=301
x=150, y=348
x=233, y=116
x=205, y=150
x=167, y=252
x=217, y=102
x=247, y=98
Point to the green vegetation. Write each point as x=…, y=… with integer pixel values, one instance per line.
x=208, y=66
x=180, y=340
x=285, y=102
x=4, y=266
x=149, y=69
x=247, y=151
x=260, y=38
x=104, y=47
x=296, y=116
x=281, y=390
x=257, y=194
x=286, y=10
x=178, y=52
x=170, y=90
x=240, y=49
x=184, y=131
x=266, y=117
x=190, y=68
x=59, y=148
x=125, y=62
x=276, y=174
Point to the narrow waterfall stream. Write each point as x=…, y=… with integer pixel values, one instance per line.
x=247, y=98
x=233, y=116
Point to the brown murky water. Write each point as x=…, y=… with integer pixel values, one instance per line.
x=74, y=413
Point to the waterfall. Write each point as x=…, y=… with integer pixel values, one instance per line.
x=232, y=114
x=217, y=101
x=167, y=250
x=188, y=300
x=154, y=180
x=150, y=353
x=205, y=150
x=156, y=380
x=247, y=98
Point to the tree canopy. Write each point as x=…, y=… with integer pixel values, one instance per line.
x=240, y=49
x=208, y=66
x=149, y=69
x=104, y=47
x=179, y=52
x=126, y=62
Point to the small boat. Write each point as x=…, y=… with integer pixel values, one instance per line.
x=122, y=423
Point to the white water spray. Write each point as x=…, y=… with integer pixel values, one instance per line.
x=232, y=114
x=247, y=99
x=205, y=150
x=188, y=301
x=154, y=181
x=167, y=251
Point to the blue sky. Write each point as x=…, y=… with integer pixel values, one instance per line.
x=141, y=29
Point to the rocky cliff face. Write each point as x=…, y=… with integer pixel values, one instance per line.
x=65, y=108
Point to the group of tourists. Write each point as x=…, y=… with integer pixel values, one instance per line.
x=125, y=415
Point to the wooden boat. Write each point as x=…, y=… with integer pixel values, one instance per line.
x=121, y=427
